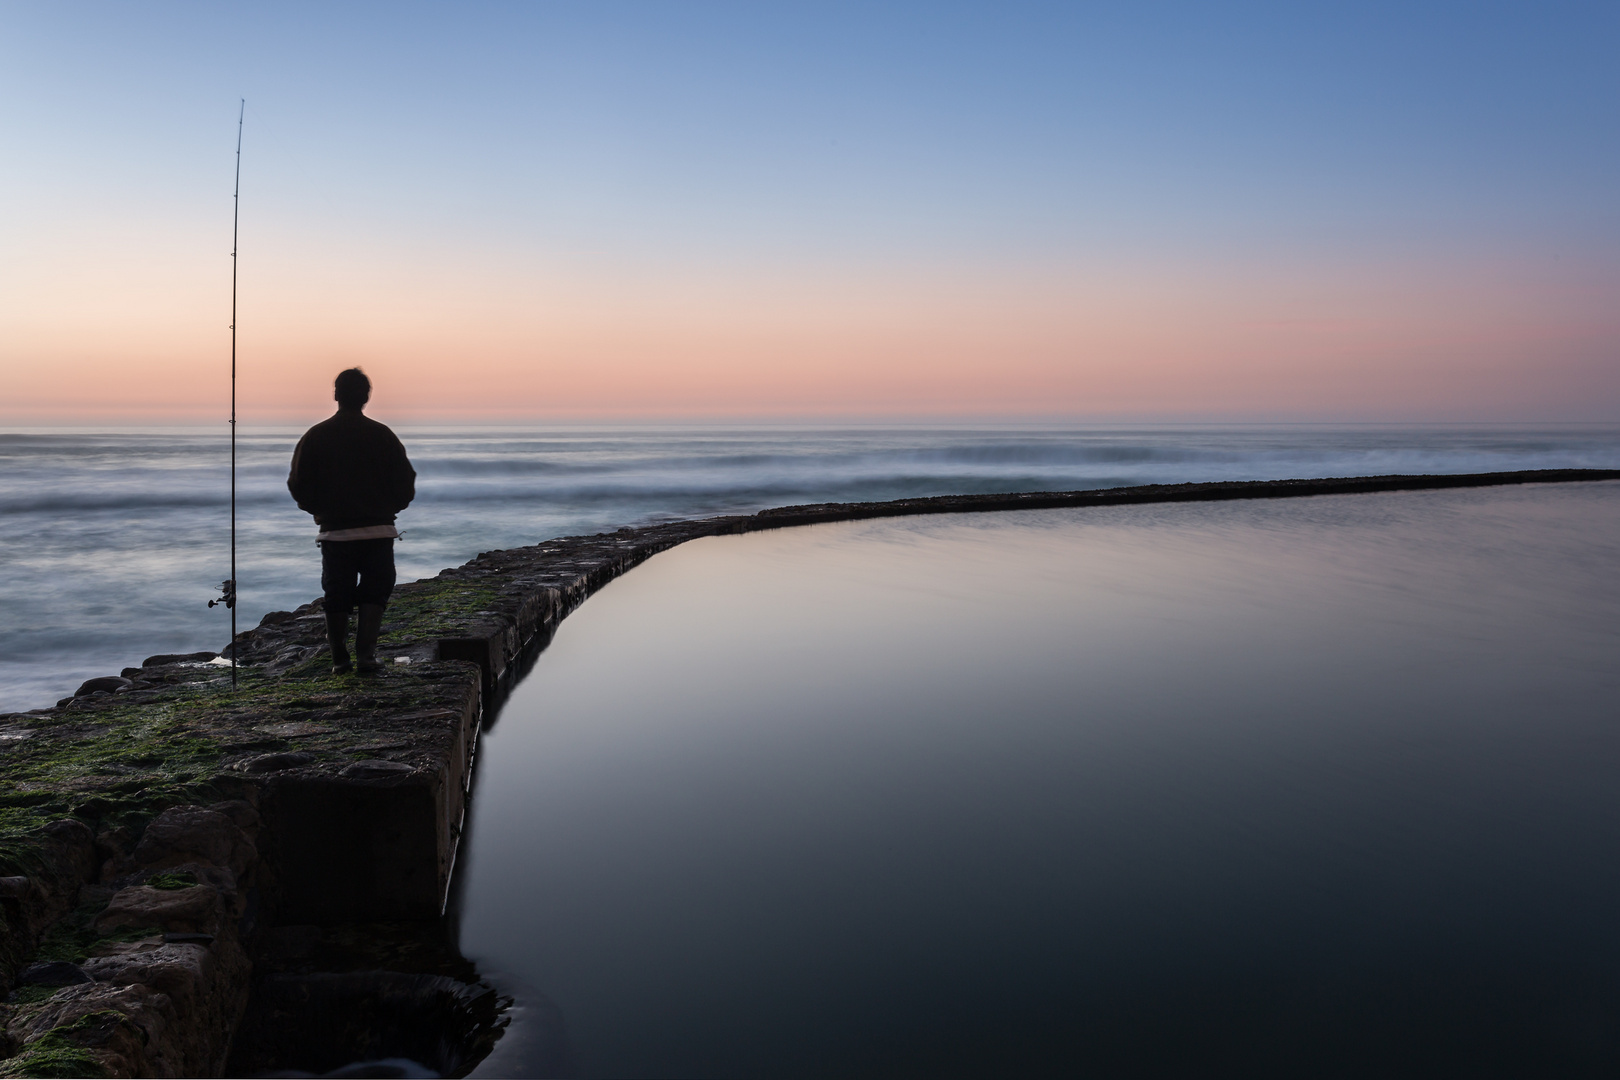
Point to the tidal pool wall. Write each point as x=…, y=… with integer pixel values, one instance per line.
x=169, y=844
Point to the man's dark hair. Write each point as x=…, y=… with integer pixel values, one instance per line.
x=352, y=388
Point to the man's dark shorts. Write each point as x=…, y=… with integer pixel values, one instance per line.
x=344, y=561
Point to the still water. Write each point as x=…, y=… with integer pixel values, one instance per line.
x=1323, y=786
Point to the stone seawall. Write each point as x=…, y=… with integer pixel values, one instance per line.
x=195, y=878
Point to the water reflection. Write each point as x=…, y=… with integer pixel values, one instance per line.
x=1322, y=784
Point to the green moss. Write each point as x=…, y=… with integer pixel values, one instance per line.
x=183, y=880
x=30, y=995
x=435, y=609
x=19, y=859
x=51, y=1061
x=74, y=936
x=61, y=1051
x=14, y=820
x=115, y=761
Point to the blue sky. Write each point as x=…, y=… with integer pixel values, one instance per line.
x=888, y=137
x=968, y=129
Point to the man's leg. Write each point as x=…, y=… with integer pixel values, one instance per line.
x=376, y=566
x=338, y=569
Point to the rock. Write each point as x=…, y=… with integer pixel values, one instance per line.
x=52, y=973
x=297, y=729
x=97, y=895
x=375, y=770
x=219, y=878
x=291, y=657
x=178, y=970
x=241, y=813
x=13, y=888
x=185, y=834
x=116, y=1024
x=201, y=987
x=178, y=658
x=71, y=848
x=194, y=910
x=114, y=843
x=266, y=763
x=106, y=684
x=112, y=1022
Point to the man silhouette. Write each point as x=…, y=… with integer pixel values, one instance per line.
x=352, y=474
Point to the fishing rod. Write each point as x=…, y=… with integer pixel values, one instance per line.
x=228, y=586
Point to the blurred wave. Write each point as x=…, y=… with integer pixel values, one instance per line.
x=114, y=541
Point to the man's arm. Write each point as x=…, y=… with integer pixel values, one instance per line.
x=301, y=481
x=401, y=478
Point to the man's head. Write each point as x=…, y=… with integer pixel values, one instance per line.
x=352, y=389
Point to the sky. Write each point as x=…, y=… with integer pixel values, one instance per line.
x=689, y=211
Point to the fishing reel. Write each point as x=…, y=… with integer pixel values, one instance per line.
x=227, y=594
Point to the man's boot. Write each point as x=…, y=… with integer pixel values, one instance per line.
x=365, y=638
x=337, y=636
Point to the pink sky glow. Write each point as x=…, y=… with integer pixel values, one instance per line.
x=482, y=339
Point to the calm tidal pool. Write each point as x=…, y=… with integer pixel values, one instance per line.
x=1324, y=786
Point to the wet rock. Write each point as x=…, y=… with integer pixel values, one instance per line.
x=106, y=684
x=72, y=838
x=376, y=769
x=92, y=808
x=96, y=895
x=116, y=1025
x=178, y=970
x=67, y=854
x=178, y=658
x=193, y=910
x=268, y=763
x=114, y=843
x=297, y=729
x=241, y=812
x=52, y=973
x=197, y=986
x=13, y=888
x=187, y=834
x=185, y=875
x=291, y=657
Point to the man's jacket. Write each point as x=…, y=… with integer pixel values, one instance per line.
x=351, y=471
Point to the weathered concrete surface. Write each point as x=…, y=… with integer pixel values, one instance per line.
x=166, y=835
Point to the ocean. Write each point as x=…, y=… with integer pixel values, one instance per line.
x=115, y=540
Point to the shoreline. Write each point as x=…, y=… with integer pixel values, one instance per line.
x=167, y=845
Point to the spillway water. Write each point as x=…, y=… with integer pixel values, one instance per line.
x=1317, y=786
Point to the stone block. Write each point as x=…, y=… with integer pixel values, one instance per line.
x=194, y=910
x=185, y=834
